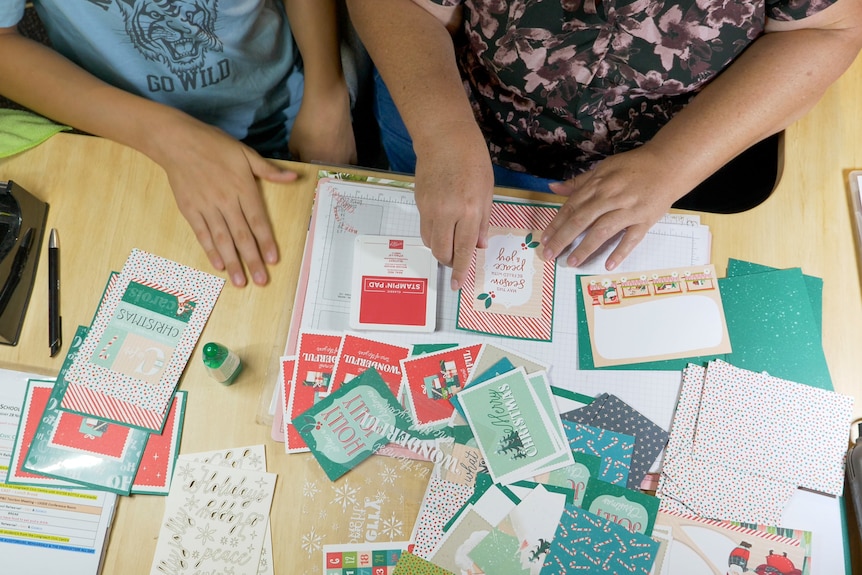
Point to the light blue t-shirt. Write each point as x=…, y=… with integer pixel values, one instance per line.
x=230, y=63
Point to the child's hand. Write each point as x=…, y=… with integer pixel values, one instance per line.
x=213, y=178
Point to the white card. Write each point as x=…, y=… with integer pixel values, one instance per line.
x=215, y=520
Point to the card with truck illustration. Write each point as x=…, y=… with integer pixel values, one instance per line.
x=656, y=315
x=509, y=288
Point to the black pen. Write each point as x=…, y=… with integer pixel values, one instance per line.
x=17, y=270
x=55, y=324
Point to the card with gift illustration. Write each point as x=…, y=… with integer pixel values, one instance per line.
x=509, y=288
x=394, y=285
x=514, y=432
x=140, y=341
x=653, y=316
x=432, y=379
x=316, y=354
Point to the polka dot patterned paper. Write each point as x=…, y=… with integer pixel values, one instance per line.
x=114, y=394
x=772, y=427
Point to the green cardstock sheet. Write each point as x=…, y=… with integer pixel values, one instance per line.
x=773, y=326
x=774, y=318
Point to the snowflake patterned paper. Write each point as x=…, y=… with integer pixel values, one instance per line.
x=140, y=341
x=191, y=537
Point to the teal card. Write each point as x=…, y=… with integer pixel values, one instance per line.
x=610, y=549
x=812, y=283
x=64, y=440
x=511, y=426
x=575, y=477
x=348, y=426
x=778, y=330
x=630, y=508
x=614, y=449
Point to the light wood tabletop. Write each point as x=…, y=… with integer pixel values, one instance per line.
x=106, y=199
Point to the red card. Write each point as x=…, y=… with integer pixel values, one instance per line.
x=433, y=378
x=358, y=354
x=316, y=355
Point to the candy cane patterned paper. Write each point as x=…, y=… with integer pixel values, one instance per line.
x=140, y=341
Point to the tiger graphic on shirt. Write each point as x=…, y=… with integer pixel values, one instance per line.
x=176, y=33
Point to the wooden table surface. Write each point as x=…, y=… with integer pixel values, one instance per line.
x=106, y=199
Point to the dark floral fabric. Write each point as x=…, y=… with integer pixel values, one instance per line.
x=557, y=85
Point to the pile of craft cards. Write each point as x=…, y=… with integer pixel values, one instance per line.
x=513, y=480
x=742, y=442
x=113, y=417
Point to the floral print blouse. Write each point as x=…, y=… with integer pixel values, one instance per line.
x=557, y=85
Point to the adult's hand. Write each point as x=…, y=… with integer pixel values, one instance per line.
x=213, y=178
x=628, y=192
x=454, y=191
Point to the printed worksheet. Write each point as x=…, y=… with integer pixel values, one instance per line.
x=36, y=533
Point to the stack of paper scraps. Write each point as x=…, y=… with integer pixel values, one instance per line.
x=112, y=419
x=742, y=442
